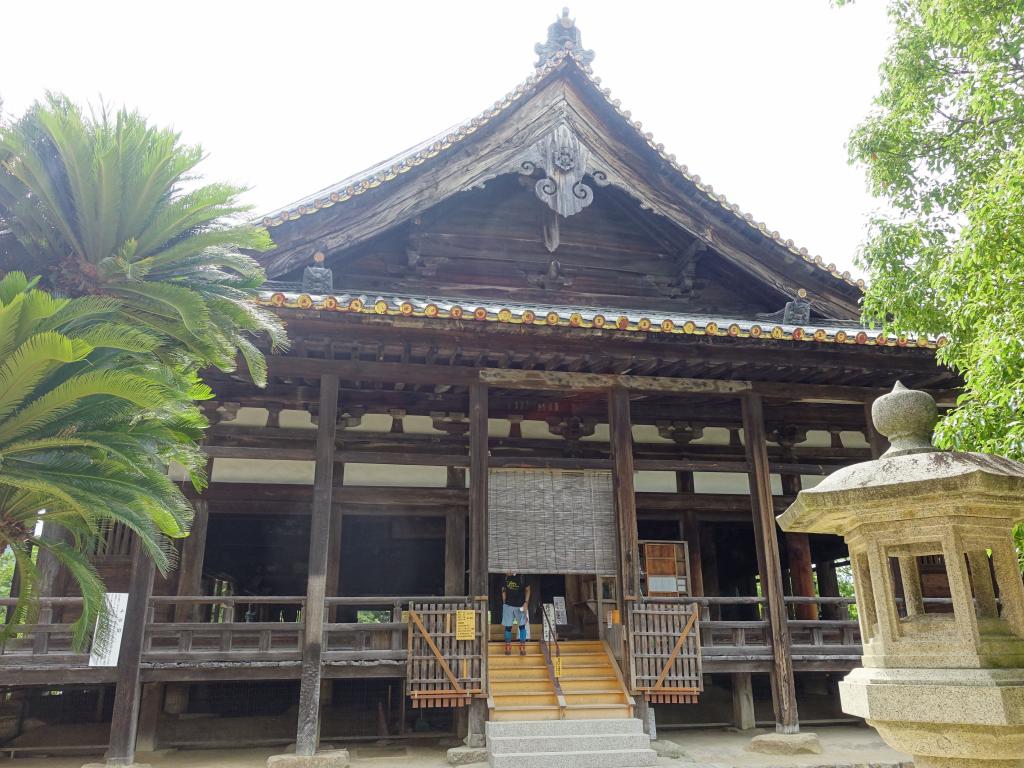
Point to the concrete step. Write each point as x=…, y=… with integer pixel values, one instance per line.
x=566, y=728
x=610, y=758
x=597, y=711
x=594, y=742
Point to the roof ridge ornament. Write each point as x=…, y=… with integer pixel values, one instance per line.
x=563, y=35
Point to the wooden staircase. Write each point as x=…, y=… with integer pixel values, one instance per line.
x=521, y=688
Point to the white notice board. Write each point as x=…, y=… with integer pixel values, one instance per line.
x=107, y=647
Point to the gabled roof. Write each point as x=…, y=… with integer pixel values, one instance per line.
x=299, y=228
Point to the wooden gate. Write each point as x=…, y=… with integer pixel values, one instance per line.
x=442, y=669
x=664, y=650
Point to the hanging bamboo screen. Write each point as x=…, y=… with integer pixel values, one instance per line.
x=547, y=521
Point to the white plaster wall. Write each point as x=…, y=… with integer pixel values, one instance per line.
x=729, y=482
x=715, y=436
x=809, y=481
x=601, y=435
x=854, y=440
x=647, y=481
x=262, y=471
x=296, y=420
x=648, y=433
x=395, y=475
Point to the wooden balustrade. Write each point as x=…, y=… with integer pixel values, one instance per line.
x=215, y=629
x=49, y=638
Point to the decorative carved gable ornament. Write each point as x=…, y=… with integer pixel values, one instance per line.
x=565, y=161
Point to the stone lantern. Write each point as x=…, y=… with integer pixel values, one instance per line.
x=946, y=686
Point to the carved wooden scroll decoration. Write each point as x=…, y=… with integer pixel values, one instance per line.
x=565, y=162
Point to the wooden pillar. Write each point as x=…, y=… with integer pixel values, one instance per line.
x=125, y=719
x=798, y=554
x=455, y=539
x=149, y=717
x=783, y=684
x=828, y=586
x=307, y=735
x=48, y=569
x=332, y=585
x=709, y=563
x=190, y=584
x=478, y=461
x=692, y=534
x=621, y=435
x=742, y=701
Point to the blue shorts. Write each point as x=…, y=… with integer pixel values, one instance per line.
x=510, y=613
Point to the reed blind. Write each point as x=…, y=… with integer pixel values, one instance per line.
x=548, y=521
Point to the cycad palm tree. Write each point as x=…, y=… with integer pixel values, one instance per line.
x=108, y=205
x=89, y=421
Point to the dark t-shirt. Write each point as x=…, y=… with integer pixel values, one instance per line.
x=515, y=590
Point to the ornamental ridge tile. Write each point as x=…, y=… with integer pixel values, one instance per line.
x=632, y=320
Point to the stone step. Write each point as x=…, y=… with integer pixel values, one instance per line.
x=566, y=728
x=593, y=742
x=609, y=758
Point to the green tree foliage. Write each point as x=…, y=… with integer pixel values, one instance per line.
x=89, y=421
x=106, y=204
x=945, y=147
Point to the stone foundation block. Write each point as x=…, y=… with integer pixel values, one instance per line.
x=467, y=755
x=785, y=744
x=332, y=758
x=120, y=765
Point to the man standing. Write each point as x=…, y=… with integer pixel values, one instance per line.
x=515, y=602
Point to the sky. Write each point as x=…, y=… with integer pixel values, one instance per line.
x=758, y=97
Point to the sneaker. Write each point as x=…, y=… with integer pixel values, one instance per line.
x=508, y=649
x=522, y=649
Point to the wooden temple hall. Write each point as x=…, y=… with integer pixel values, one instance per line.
x=533, y=344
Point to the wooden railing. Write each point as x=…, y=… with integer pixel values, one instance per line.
x=235, y=628
x=366, y=629
x=744, y=632
x=664, y=646
x=48, y=639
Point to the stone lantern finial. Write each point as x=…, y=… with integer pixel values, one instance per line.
x=907, y=417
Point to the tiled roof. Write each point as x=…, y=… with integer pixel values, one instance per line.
x=639, y=321
x=405, y=162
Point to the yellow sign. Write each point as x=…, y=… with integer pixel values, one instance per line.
x=465, y=625
x=558, y=666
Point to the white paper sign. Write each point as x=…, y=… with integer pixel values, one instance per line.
x=561, y=615
x=106, y=649
x=549, y=612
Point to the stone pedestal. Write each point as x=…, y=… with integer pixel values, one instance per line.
x=331, y=758
x=785, y=744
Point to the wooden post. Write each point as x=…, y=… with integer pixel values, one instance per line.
x=692, y=534
x=49, y=572
x=742, y=701
x=783, y=683
x=828, y=586
x=478, y=459
x=332, y=585
x=798, y=553
x=307, y=735
x=125, y=718
x=455, y=541
x=621, y=435
x=190, y=584
x=149, y=717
